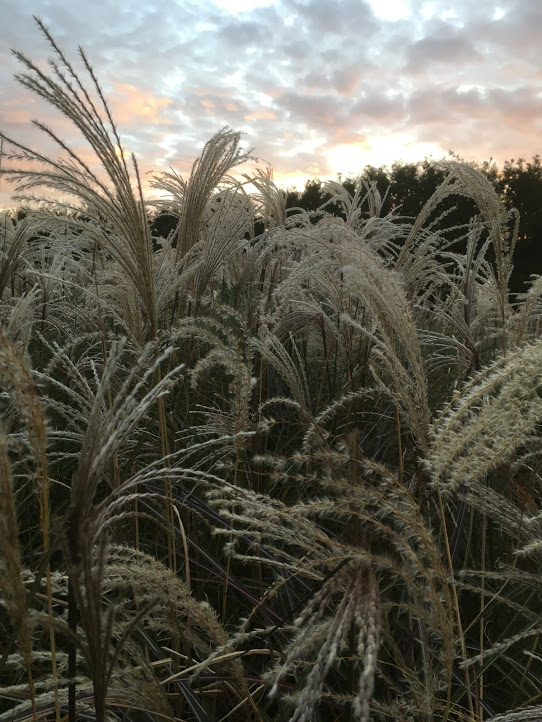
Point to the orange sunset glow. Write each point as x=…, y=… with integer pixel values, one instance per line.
x=319, y=87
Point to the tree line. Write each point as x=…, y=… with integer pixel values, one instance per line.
x=406, y=187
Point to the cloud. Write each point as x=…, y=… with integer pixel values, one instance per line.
x=130, y=104
x=300, y=77
x=444, y=45
x=333, y=17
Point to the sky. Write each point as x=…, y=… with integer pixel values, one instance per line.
x=319, y=87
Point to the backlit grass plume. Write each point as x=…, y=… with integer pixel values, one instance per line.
x=114, y=209
x=280, y=464
x=491, y=416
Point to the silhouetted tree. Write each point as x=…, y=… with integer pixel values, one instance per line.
x=520, y=185
x=406, y=187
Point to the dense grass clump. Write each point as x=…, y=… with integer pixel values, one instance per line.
x=285, y=475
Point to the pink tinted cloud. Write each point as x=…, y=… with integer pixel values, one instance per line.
x=297, y=71
x=132, y=105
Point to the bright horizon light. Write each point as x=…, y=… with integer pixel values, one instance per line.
x=320, y=89
x=381, y=151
